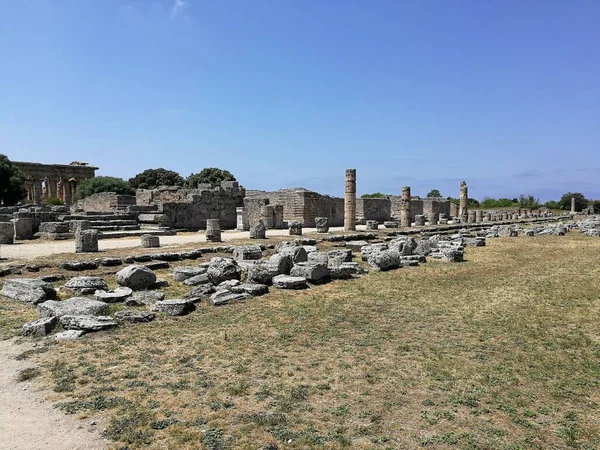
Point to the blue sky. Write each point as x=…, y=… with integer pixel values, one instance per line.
x=504, y=94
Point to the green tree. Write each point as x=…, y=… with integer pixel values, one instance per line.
x=580, y=201
x=472, y=203
x=212, y=175
x=12, y=182
x=552, y=204
x=153, y=178
x=374, y=195
x=103, y=184
x=529, y=201
x=434, y=193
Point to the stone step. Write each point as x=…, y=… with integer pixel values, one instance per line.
x=111, y=223
x=137, y=233
x=104, y=228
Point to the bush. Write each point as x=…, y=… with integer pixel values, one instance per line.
x=212, y=175
x=12, y=182
x=374, y=195
x=552, y=204
x=154, y=178
x=54, y=201
x=434, y=193
x=103, y=184
x=529, y=201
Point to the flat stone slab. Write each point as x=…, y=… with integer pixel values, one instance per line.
x=86, y=285
x=289, y=282
x=76, y=306
x=185, y=272
x=119, y=295
x=87, y=323
x=40, y=327
x=356, y=245
x=253, y=289
x=196, y=280
x=225, y=297
x=133, y=316
x=141, y=298
x=199, y=293
x=174, y=307
x=29, y=290
x=69, y=335
x=78, y=266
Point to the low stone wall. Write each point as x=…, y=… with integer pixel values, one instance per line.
x=105, y=202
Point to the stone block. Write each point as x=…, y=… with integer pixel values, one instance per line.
x=7, y=233
x=322, y=224
x=213, y=230
x=29, y=290
x=258, y=231
x=150, y=241
x=295, y=228
x=372, y=225
x=86, y=241
x=23, y=228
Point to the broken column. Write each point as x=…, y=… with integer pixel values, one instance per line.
x=267, y=214
x=350, y=201
x=258, y=231
x=470, y=216
x=243, y=222
x=7, y=233
x=405, y=207
x=150, y=241
x=372, y=225
x=573, y=205
x=479, y=216
x=432, y=218
x=86, y=241
x=213, y=230
x=464, y=200
x=278, y=214
x=322, y=224
x=295, y=227
x=419, y=220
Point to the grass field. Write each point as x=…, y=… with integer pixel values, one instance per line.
x=499, y=352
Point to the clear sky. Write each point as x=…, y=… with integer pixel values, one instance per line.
x=503, y=94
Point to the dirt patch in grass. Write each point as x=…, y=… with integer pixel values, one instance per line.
x=501, y=351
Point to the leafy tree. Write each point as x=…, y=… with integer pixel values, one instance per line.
x=580, y=201
x=103, y=184
x=212, y=175
x=552, y=204
x=153, y=178
x=12, y=182
x=374, y=195
x=529, y=201
x=434, y=193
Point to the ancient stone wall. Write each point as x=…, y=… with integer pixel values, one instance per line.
x=379, y=209
x=106, y=202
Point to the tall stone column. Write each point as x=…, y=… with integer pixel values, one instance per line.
x=67, y=193
x=405, y=207
x=51, y=187
x=350, y=201
x=573, y=205
x=37, y=192
x=46, y=188
x=73, y=184
x=60, y=187
x=29, y=188
x=464, y=199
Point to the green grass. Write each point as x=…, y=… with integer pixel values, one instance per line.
x=500, y=352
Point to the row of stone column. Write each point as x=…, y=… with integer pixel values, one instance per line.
x=59, y=188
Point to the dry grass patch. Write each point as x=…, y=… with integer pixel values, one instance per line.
x=498, y=352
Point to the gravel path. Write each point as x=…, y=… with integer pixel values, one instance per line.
x=48, y=248
x=27, y=421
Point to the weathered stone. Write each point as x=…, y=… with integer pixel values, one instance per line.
x=78, y=266
x=133, y=316
x=141, y=298
x=260, y=274
x=224, y=297
x=119, y=295
x=425, y=247
x=319, y=257
x=344, y=254
x=150, y=241
x=390, y=224
x=23, y=228
x=157, y=265
x=367, y=250
x=419, y=220
x=87, y=323
x=279, y=264
x=296, y=254
x=213, y=230
x=111, y=262
x=356, y=245
x=403, y=245
x=200, y=292
x=405, y=219
x=312, y=271
x=136, y=277
x=258, y=231
x=322, y=224
x=29, y=290
x=247, y=253
x=252, y=289
x=463, y=201
x=7, y=233
x=69, y=335
x=183, y=273
x=86, y=241
x=222, y=269
x=243, y=223
x=228, y=284
x=40, y=327
x=372, y=225
x=76, y=306
x=197, y=279
x=55, y=227
x=267, y=215
x=174, y=307
x=289, y=282
x=295, y=228
x=86, y=285
x=384, y=260
x=80, y=225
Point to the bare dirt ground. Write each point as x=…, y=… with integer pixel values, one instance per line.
x=28, y=421
x=48, y=248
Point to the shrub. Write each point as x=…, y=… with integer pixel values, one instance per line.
x=580, y=201
x=12, y=182
x=103, y=184
x=374, y=195
x=153, y=178
x=212, y=175
x=54, y=201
